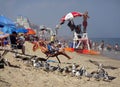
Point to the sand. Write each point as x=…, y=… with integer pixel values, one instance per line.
x=28, y=76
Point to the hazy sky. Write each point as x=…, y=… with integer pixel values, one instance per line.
x=104, y=15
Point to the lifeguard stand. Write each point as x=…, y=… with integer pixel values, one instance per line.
x=77, y=41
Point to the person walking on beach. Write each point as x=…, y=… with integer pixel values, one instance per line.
x=85, y=17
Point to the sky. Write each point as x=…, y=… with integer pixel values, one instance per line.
x=104, y=15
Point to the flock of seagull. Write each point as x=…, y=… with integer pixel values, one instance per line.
x=73, y=70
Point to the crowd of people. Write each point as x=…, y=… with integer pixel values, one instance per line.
x=48, y=47
x=52, y=46
x=102, y=46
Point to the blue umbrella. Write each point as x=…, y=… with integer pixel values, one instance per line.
x=21, y=30
x=6, y=21
x=8, y=29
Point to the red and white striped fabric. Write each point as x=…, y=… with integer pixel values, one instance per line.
x=71, y=16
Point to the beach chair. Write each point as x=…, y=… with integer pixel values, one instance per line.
x=44, y=50
x=42, y=45
x=54, y=55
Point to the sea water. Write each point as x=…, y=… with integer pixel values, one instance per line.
x=112, y=42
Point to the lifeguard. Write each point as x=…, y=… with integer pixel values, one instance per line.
x=85, y=17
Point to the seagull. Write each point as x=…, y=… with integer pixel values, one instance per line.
x=82, y=70
x=100, y=73
x=73, y=70
x=78, y=74
x=59, y=69
x=96, y=76
x=74, y=67
x=89, y=75
x=66, y=70
x=52, y=68
x=46, y=66
x=106, y=77
x=35, y=64
x=100, y=66
x=41, y=63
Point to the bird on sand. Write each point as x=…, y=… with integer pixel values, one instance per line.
x=88, y=75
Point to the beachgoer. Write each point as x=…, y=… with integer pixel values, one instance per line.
x=50, y=49
x=85, y=17
x=6, y=41
x=102, y=45
x=116, y=47
x=21, y=39
x=108, y=47
x=71, y=25
x=16, y=43
x=52, y=39
x=78, y=30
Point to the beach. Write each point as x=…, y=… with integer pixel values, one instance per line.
x=29, y=76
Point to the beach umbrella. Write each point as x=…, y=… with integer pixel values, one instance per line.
x=6, y=21
x=8, y=29
x=21, y=30
x=70, y=16
x=30, y=32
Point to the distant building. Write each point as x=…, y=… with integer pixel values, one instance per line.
x=23, y=22
x=26, y=23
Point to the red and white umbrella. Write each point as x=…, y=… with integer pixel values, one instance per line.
x=70, y=16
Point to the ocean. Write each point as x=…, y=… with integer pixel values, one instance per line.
x=112, y=42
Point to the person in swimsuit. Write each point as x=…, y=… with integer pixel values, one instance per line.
x=85, y=17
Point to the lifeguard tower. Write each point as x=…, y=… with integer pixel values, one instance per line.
x=81, y=42
x=77, y=41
